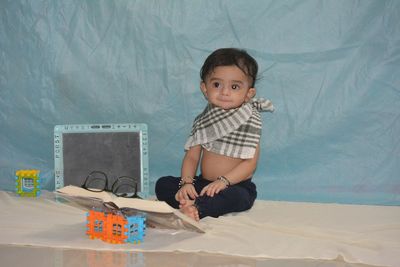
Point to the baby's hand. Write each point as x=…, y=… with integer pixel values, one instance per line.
x=187, y=191
x=213, y=188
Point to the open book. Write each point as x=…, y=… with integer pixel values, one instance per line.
x=159, y=213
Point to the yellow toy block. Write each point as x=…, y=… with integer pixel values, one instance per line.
x=27, y=183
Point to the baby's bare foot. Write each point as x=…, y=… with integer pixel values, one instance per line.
x=185, y=203
x=190, y=211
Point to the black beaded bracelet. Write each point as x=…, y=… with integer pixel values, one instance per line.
x=225, y=180
x=182, y=181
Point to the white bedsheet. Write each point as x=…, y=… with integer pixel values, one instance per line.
x=285, y=230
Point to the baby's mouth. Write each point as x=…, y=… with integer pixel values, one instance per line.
x=224, y=99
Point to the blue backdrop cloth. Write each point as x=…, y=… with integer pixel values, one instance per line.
x=331, y=68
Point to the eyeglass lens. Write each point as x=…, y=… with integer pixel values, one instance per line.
x=125, y=186
x=96, y=181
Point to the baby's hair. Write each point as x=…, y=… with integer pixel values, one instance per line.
x=229, y=57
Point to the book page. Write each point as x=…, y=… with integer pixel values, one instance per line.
x=143, y=205
x=159, y=213
x=75, y=191
x=133, y=203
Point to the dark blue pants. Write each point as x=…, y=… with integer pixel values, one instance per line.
x=238, y=197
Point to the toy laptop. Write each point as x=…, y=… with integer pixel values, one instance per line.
x=115, y=149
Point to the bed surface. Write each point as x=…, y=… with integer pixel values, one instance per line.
x=270, y=231
x=62, y=257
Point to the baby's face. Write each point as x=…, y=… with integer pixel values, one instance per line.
x=227, y=87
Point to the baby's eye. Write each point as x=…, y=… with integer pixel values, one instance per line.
x=235, y=87
x=216, y=84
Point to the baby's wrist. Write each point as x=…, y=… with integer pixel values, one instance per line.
x=186, y=180
x=224, y=180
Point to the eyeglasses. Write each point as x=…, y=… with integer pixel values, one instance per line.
x=124, y=186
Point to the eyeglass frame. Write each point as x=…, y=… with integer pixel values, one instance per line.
x=106, y=187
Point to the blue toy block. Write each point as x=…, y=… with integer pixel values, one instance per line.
x=136, y=228
x=115, y=227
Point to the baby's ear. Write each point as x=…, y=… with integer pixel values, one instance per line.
x=203, y=88
x=250, y=93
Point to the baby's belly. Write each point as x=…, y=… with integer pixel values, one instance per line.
x=214, y=165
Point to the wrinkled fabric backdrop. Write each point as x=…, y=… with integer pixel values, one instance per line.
x=331, y=69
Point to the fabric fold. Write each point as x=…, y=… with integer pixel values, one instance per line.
x=233, y=133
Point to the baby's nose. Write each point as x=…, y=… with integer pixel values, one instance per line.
x=225, y=90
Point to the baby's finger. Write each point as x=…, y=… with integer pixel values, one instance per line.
x=180, y=195
x=195, y=192
x=217, y=189
x=184, y=195
x=192, y=193
x=204, y=190
x=210, y=191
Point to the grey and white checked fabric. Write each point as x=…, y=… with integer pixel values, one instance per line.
x=233, y=133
